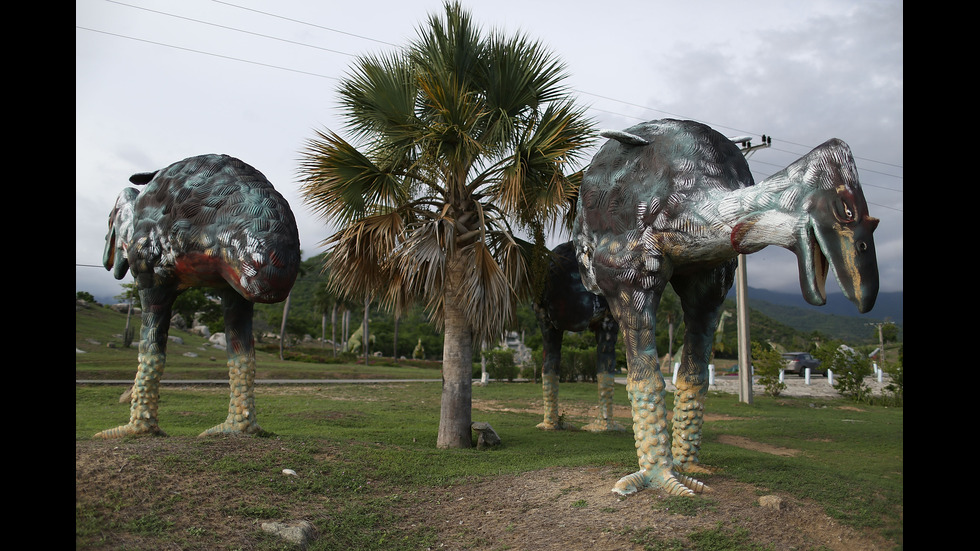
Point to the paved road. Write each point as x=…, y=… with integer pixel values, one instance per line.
x=795, y=386
x=257, y=381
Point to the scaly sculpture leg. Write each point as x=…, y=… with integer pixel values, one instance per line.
x=645, y=387
x=241, y=368
x=687, y=423
x=144, y=403
x=606, y=332
x=701, y=295
x=549, y=390
x=646, y=394
x=549, y=379
x=604, y=421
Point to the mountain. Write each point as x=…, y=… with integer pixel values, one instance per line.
x=887, y=306
x=838, y=318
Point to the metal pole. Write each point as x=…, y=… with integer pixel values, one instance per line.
x=744, y=346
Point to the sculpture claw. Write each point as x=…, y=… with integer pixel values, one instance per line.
x=130, y=429
x=556, y=425
x=673, y=484
x=234, y=428
x=604, y=425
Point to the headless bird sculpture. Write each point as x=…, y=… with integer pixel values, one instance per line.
x=207, y=221
x=566, y=305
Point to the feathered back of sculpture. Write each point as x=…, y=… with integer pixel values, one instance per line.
x=214, y=216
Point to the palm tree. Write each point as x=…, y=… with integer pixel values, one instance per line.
x=461, y=139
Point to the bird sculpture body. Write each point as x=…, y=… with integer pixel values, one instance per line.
x=207, y=221
x=673, y=202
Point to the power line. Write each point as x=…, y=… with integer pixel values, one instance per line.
x=268, y=14
x=205, y=53
x=231, y=28
x=306, y=23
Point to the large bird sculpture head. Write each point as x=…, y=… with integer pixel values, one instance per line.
x=837, y=233
x=121, y=221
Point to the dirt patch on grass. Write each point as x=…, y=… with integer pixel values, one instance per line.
x=161, y=481
x=127, y=488
x=570, y=509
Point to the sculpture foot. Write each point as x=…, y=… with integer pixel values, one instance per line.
x=604, y=425
x=231, y=428
x=131, y=429
x=673, y=484
x=555, y=425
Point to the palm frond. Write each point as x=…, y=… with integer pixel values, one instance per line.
x=533, y=183
x=378, y=99
x=342, y=184
x=359, y=262
x=487, y=296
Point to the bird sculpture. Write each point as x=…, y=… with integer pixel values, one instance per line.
x=672, y=201
x=566, y=305
x=208, y=221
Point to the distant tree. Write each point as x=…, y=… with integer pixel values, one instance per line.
x=86, y=296
x=897, y=374
x=285, y=311
x=130, y=293
x=198, y=303
x=889, y=332
x=668, y=313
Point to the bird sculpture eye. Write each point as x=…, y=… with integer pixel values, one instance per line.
x=844, y=211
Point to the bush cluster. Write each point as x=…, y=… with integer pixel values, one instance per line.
x=767, y=363
x=850, y=369
x=500, y=364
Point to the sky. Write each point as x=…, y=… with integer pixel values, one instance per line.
x=158, y=81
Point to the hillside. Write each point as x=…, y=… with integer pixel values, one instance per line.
x=771, y=314
x=838, y=318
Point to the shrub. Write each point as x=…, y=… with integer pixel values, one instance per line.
x=897, y=374
x=768, y=364
x=532, y=369
x=577, y=364
x=850, y=369
x=500, y=363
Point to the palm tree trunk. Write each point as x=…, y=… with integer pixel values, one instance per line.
x=345, y=329
x=364, y=333
x=455, y=414
x=333, y=329
x=394, y=345
x=282, y=330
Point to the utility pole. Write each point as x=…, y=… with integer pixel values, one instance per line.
x=742, y=296
x=744, y=346
x=881, y=340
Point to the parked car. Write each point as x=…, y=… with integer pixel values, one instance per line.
x=797, y=362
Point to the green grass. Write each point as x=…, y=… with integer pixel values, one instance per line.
x=850, y=461
x=360, y=438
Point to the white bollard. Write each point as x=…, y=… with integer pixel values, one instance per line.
x=782, y=375
x=880, y=375
x=830, y=377
x=673, y=379
x=806, y=379
x=711, y=374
